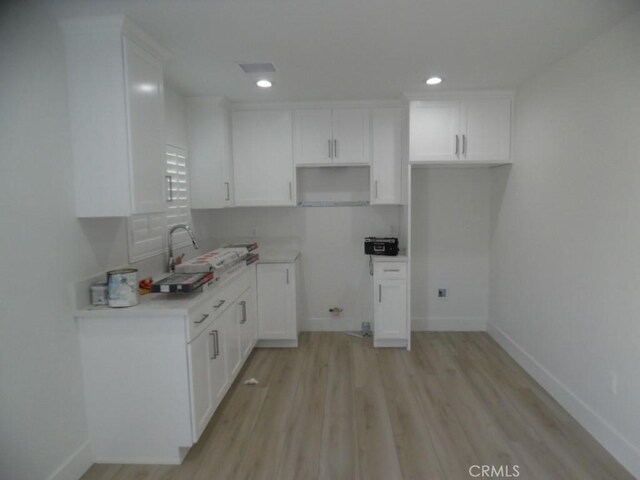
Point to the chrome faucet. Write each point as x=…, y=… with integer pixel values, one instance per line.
x=171, y=265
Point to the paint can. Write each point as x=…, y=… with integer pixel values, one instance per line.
x=123, y=287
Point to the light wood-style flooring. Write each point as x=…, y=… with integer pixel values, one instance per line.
x=336, y=408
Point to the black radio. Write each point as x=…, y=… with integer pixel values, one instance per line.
x=381, y=246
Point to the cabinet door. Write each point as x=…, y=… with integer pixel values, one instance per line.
x=227, y=163
x=262, y=157
x=434, y=131
x=486, y=130
x=390, y=311
x=230, y=338
x=386, y=156
x=145, y=109
x=351, y=135
x=276, y=305
x=209, y=127
x=200, y=351
x=313, y=136
x=218, y=361
x=247, y=320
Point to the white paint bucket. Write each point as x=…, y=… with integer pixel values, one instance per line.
x=123, y=287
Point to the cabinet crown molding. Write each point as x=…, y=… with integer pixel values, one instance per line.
x=317, y=104
x=118, y=25
x=220, y=100
x=458, y=94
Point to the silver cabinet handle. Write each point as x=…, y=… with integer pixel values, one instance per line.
x=376, y=188
x=393, y=270
x=204, y=317
x=287, y=276
x=219, y=304
x=213, y=344
x=228, y=191
x=457, y=144
x=170, y=179
x=379, y=293
x=290, y=191
x=243, y=304
x=335, y=148
x=217, y=344
x=464, y=144
x=329, y=148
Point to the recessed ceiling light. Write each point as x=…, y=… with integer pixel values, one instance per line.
x=263, y=83
x=434, y=80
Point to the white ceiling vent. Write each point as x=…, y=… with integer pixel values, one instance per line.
x=254, y=68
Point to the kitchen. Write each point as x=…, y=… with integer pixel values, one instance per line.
x=507, y=243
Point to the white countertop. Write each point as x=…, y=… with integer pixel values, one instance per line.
x=159, y=304
x=179, y=304
x=278, y=256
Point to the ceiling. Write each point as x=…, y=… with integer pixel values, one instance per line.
x=358, y=49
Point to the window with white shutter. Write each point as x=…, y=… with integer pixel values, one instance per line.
x=148, y=233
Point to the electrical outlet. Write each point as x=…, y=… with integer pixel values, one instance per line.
x=442, y=293
x=613, y=383
x=254, y=232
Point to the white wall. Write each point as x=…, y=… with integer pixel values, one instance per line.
x=565, y=274
x=334, y=268
x=450, y=248
x=44, y=249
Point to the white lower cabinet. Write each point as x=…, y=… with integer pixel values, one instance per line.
x=202, y=373
x=390, y=312
x=277, y=306
x=248, y=320
x=154, y=374
x=228, y=340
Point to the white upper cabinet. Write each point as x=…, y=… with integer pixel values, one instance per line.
x=145, y=108
x=485, y=127
x=434, y=131
x=351, y=135
x=263, y=158
x=116, y=104
x=327, y=136
x=209, y=133
x=314, y=136
x=468, y=130
x=386, y=156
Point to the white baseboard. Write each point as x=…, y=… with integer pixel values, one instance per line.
x=449, y=324
x=331, y=324
x=76, y=465
x=621, y=448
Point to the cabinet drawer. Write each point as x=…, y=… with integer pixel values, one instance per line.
x=216, y=302
x=390, y=270
x=199, y=319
